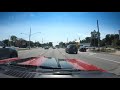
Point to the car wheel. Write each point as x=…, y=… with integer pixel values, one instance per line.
x=12, y=55
x=65, y=51
x=68, y=52
x=76, y=52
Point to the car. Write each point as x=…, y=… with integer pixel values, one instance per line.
x=7, y=52
x=72, y=48
x=49, y=67
x=82, y=49
x=53, y=47
x=46, y=47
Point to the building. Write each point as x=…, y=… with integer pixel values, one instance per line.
x=85, y=44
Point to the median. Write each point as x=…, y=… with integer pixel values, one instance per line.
x=106, y=50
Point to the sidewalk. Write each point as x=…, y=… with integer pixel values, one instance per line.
x=112, y=53
x=116, y=53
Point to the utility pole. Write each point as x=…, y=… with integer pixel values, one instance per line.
x=114, y=40
x=67, y=40
x=119, y=34
x=29, y=37
x=98, y=35
x=42, y=40
x=9, y=40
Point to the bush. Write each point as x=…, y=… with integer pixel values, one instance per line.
x=118, y=47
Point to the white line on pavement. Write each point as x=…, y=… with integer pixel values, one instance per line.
x=62, y=53
x=90, y=54
x=107, y=59
x=97, y=57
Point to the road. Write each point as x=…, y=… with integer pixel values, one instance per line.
x=111, y=63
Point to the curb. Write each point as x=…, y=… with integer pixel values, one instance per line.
x=105, y=53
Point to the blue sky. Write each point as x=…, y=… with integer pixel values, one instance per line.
x=57, y=26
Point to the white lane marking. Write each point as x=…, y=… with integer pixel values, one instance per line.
x=20, y=51
x=107, y=59
x=43, y=53
x=88, y=53
x=92, y=53
x=100, y=58
x=62, y=53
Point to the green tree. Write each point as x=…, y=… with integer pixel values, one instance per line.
x=107, y=39
x=87, y=39
x=50, y=44
x=37, y=44
x=94, y=42
x=103, y=42
x=118, y=43
x=6, y=41
x=60, y=44
x=13, y=39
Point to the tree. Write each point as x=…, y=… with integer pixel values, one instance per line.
x=102, y=42
x=6, y=41
x=64, y=45
x=32, y=44
x=13, y=39
x=37, y=44
x=60, y=44
x=107, y=39
x=94, y=42
x=118, y=43
x=87, y=39
x=50, y=44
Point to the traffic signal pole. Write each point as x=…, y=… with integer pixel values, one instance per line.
x=98, y=35
x=29, y=37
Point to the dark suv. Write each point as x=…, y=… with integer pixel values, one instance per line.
x=7, y=52
x=71, y=49
x=82, y=49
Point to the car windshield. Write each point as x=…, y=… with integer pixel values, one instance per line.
x=95, y=37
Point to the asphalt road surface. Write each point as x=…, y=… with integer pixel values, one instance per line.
x=107, y=62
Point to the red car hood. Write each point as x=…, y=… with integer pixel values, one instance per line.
x=52, y=62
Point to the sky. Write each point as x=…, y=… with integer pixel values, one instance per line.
x=57, y=26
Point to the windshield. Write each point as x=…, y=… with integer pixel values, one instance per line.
x=49, y=36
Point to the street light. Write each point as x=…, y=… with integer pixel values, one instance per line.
x=30, y=36
x=119, y=34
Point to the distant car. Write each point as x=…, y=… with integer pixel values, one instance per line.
x=7, y=52
x=82, y=49
x=53, y=47
x=71, y=49
x=46, y=47
x=87, y=47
